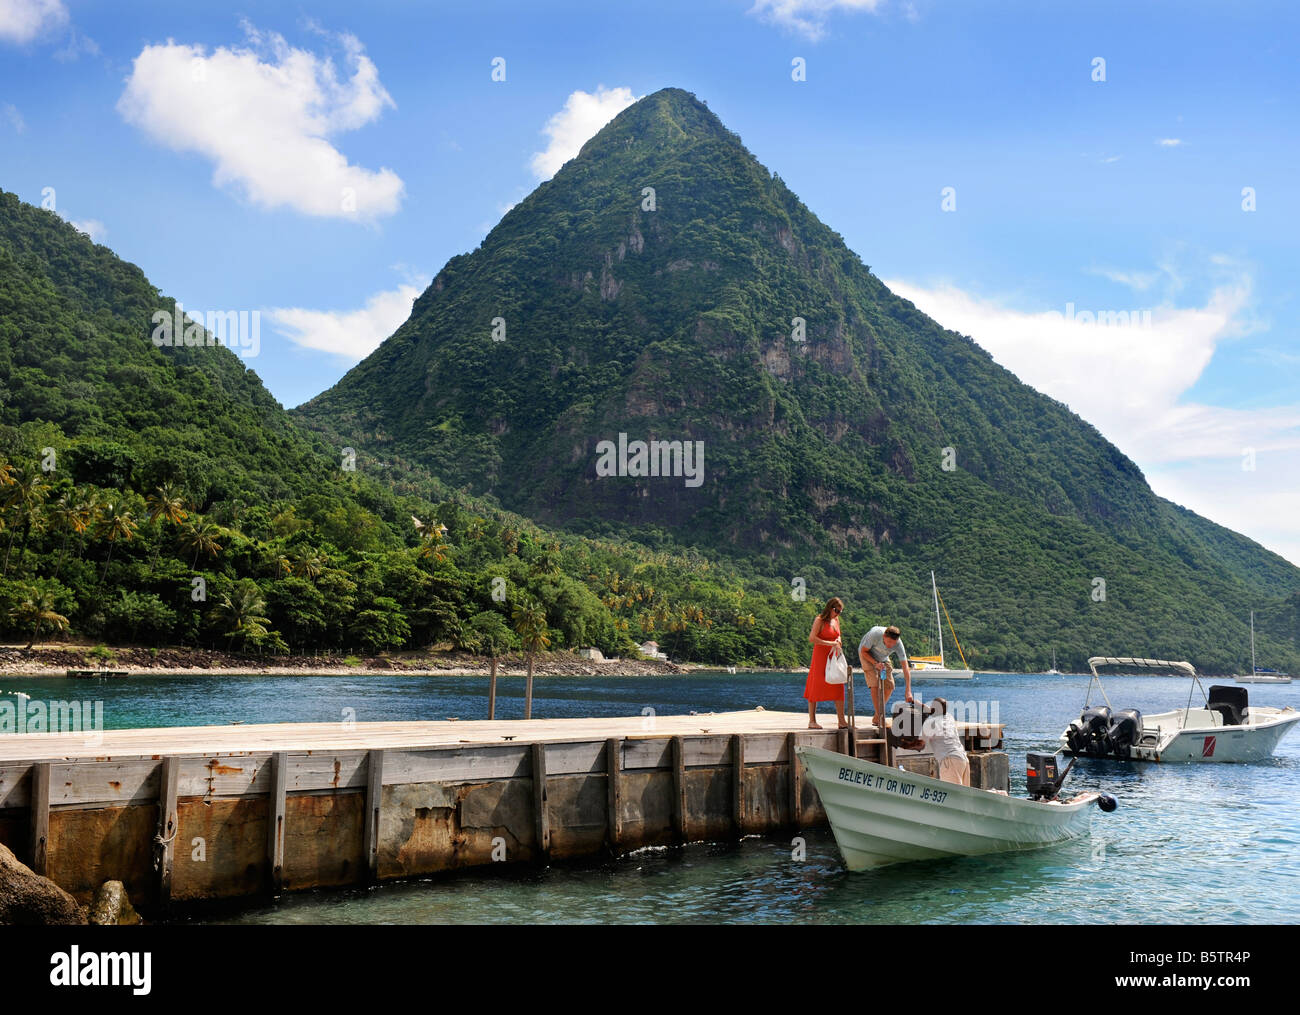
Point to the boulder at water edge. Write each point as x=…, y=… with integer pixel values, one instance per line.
x=27, y=899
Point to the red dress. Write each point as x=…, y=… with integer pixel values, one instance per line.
x=817, y=689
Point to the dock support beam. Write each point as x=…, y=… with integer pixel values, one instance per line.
x=40, y=817
x=738, y=782
x=275, y=819
x=796, y=780
x=539, y=802
x=613, y=766
x=374, y=798
x=168, y=827
x=679, y=787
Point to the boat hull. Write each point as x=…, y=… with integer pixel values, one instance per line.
x=1202, y=742
x=937, y=673
x=883, y=816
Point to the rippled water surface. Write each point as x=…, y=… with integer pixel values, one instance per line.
x=1189, y=843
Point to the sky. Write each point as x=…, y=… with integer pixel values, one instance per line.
x=1103, y=195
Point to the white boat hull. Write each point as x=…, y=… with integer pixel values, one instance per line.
x=935, y=673
x=882, y=816
x=1262, y=680
x=1198, y=735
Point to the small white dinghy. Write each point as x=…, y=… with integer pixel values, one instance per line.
x=884, y=815
x=1228, y=728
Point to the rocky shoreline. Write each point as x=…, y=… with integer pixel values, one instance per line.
x=55, y=661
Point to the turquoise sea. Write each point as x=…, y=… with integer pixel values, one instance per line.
x=1189, y=844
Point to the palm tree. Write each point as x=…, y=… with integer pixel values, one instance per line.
x=165, y=504
x=37, y=609
x=530, y=624
x=116, y=523
x=201, y=537
x=243, y=611
x=24, y=494
x=433, y=543
x=72, y=514
x=307, y=563
x=488, y=633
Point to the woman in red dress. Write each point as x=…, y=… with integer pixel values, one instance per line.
x=824, y=636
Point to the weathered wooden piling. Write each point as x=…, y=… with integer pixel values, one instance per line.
x=219, y=812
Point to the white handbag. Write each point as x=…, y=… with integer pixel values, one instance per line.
x=837, y=668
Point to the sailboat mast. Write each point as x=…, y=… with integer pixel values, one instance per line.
x=937, y=622
x=1252, y=643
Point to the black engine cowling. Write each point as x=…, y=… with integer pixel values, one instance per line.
x=1101, y=733
x=1089, y=734
x=1125, y=731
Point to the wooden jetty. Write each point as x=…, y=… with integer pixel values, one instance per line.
x=97, y=674
x=187, y=814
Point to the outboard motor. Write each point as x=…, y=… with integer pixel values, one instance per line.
x=1124, y=733
x=1043, y=780
x=1089, y=734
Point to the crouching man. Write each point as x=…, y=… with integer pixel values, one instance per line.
x=939, y=732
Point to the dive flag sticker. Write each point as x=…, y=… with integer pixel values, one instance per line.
x=1207, y=750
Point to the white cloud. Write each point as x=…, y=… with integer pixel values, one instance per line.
x=351, y=334
x=1139, y=280
x=77, y=46
x=574, y=125
x=23, y=20
x=1130, y=381
x=262, y=114
x=14, y=117
x=93, y=228
x=808, y=17
x=1169, y=142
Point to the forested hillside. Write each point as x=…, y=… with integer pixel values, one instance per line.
x=666, y=286
x=134, y=479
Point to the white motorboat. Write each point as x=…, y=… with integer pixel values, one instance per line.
x=882, y=815
x=1228, y=728
x=934, y=667
x=1258, y=675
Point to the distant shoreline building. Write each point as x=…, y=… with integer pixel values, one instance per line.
x=650, y=650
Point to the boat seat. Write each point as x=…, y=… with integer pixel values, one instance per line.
x=1229, y=714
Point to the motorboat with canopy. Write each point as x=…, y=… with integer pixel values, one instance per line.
x=1226, y=727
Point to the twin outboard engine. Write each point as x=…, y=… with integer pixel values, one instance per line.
x=1101, y=733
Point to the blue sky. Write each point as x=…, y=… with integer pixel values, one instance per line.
x=209, y=148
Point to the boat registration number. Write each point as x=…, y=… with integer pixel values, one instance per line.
x=895, y=786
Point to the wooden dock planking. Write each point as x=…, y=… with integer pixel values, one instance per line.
x=651, y=736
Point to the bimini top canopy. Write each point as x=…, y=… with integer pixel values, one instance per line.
x=1161, y=664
